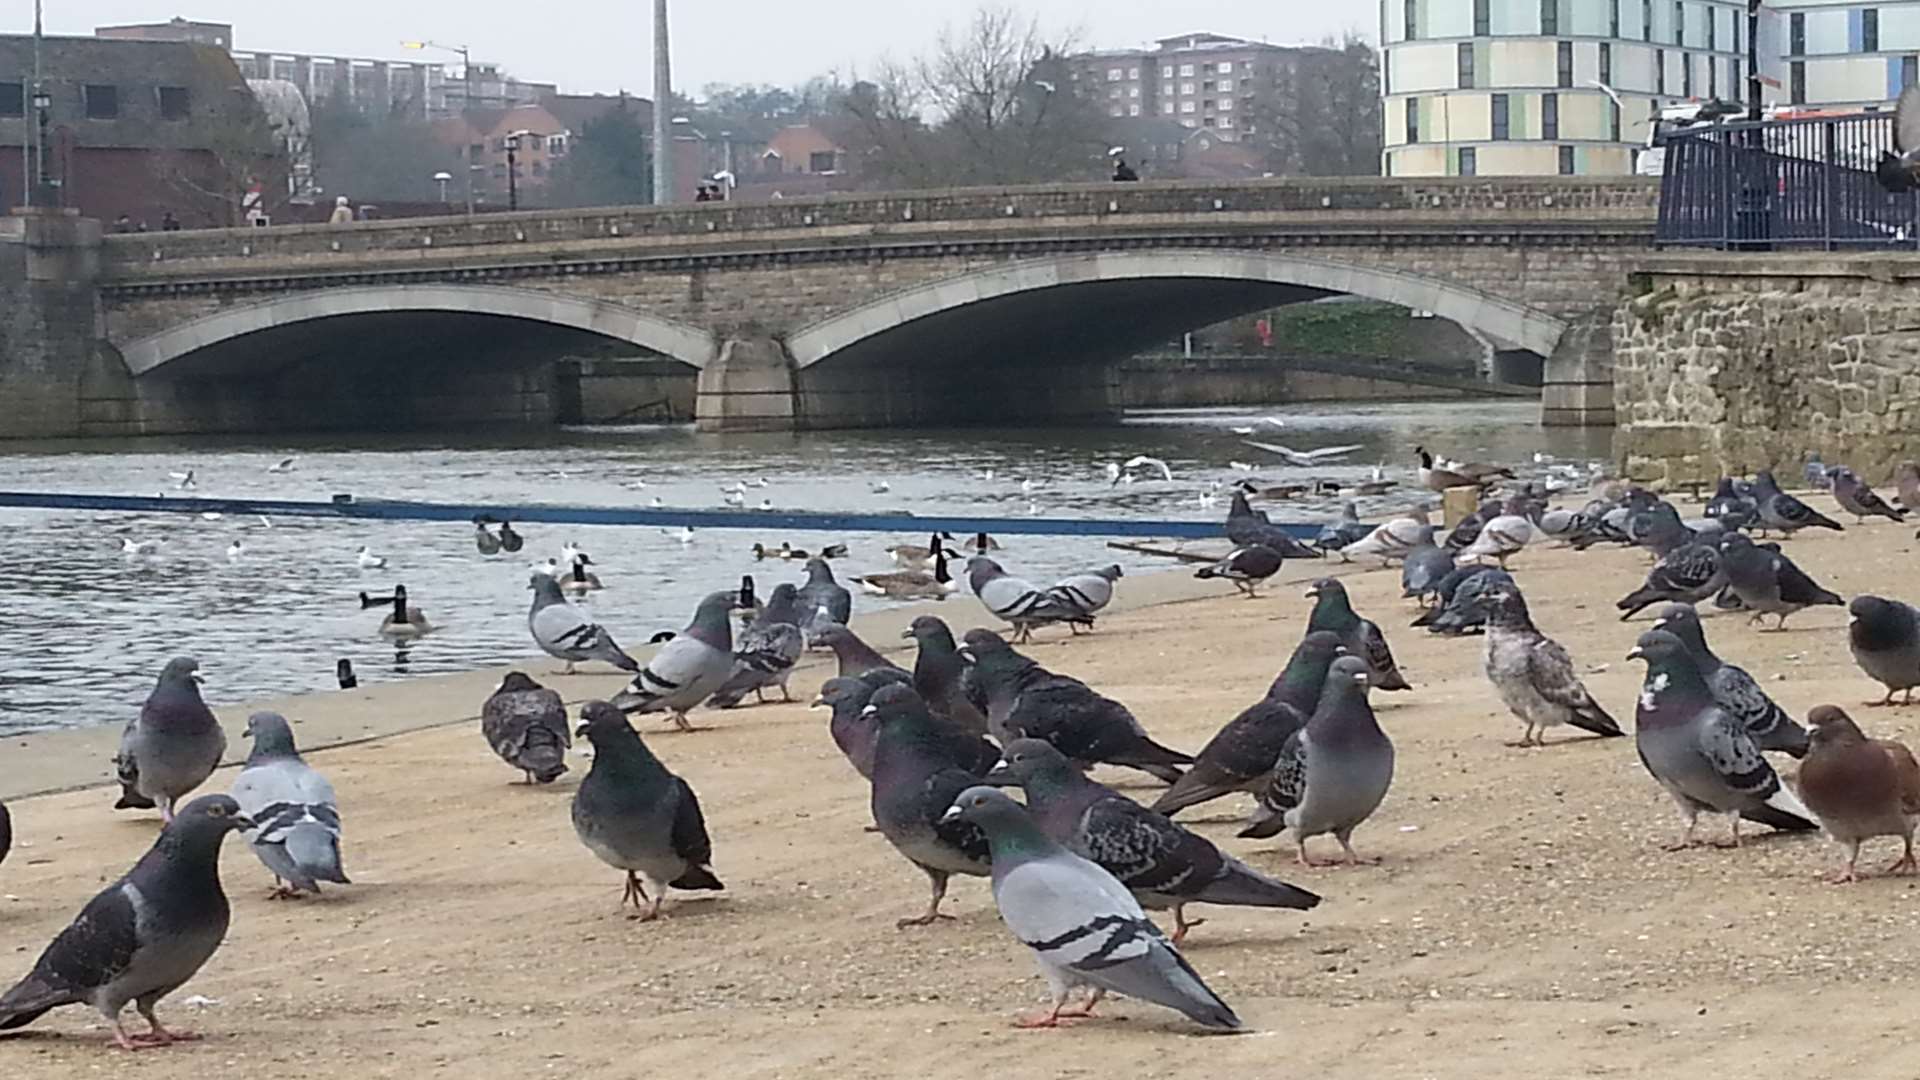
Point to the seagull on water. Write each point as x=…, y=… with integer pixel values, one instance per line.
x=655, y=502
x=369, y=561
x=1240, y=466
x=734, y=498
x=284, y=465
x=235, y=550
x=1305, y=459
x=879, y=487
x=684, y=533
x=182, y=480
x=136, y=549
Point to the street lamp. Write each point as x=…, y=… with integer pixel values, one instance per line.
x=43, y=108
x=513, y=168
x=466, y=102
x=441, y=178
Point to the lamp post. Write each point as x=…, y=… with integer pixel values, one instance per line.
x=513, y=169
x=441, y=178
x=466, y=103
x=43, y=110
x=662, y=103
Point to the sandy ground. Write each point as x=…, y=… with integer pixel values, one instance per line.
x=1524, y=923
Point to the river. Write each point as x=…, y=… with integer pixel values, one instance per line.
x=87, y=629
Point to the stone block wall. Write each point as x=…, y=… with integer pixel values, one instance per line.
x=1731, y=363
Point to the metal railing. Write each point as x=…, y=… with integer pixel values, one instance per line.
x=1783, y=185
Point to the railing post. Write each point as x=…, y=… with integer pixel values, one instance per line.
x=1830, y=177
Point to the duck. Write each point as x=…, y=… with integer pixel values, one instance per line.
x=912, y=584
x=235, y=550
x=834, y=551
x=486, y=542
x=914, y=557
x=368, y=560
x=404, y=621
x=578, y=579
x=784, y=551
x=510, y=541
x=982, y=543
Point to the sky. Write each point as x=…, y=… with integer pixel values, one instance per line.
x=603, y=46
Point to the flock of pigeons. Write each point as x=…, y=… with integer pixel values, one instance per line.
x=1076, y=865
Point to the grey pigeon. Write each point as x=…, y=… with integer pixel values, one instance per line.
x=1767, y=582
x=1458, y=600
x=1733, y=504
x=1906, y=479
x=1333, y=611
x=1163, y=864
x=637, y=816
x=1535, y=676
x=565, y=633
x=1898, y=170
x=823, y=600
x=856, y=658
x=915, y=779
x=172, y=746
x=1019, y=603
x=6, y=832
x=1816, y=473
x=1856, y=498
x=1087, y=593
x=1026, y=700
x=1659, y=529
x=1767, y=724
x=1084, y=927
x=688, y=668
x=1784, y=513
x=1467, y=529
x=1247, y=527
x=1424, y=567
x=1348, y=530
x=1246, y=567
x=526, y=724
x=1702, y=756
x=1333, y=773
x=1688, y=574
x=938, y=674
x=143, y=936
x=1242, y=754
x=852, y=728
x=766, y=651
x=1884, y=636
x=296, y=819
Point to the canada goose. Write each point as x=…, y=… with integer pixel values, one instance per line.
x=1440, y=475
x=404, y=621
x=578, y=579
x=510, y=541
x=485, y=541
x=912, y=584
x=982, y=543
x=914, y=557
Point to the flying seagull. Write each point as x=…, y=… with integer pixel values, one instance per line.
x=1305, y=459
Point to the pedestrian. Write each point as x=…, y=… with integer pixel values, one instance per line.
x=1123, y=172
x=169, y=223
x=123, y=224
x=342, y=213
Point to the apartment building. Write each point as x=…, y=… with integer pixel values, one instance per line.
x=1199, y=81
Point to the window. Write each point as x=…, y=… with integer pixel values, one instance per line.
x=1226, y=104
x=1679, y=22
x=1469, y=162
x=1226, y=122
x=1386, y=76
x=1225, y=68
x=475, y=150
x=1660, y=71
x=1114, y=110
x=1207, y=86
x=1133, y=91
x=1613, y=121
x=822, y=161
x=1549, y=116
x=1797, y=34
x=1413, y=20
x=1736, y=34
x=1870, y=30
x=557, y=145
x=1646, y=20
x=1613, y=18
x=174, y=102
x=1133, y=74
x=1113, y=93
x=1606, y=63
x=1797, y=83
x=1686, y=75
x=1186, y=70
x=1113, y=74
x=1186, y=106
x=13, y=99
x=1166, y=71
x=1909, y=74
x=1466, y=65
x=1564, y=58
x=1209, y=123
x=1734, y=85
x=1413, y=120
x=1500, y=118
x=499, y=171
x=102, y=102
x=1482, y=18
x=1566, y=161
x=1549, y=17
x=1166, y=108
x=1713, y=79
x=1133, y=110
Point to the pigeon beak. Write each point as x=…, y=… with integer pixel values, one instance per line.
x=580, y=732
x=1659, y=624
x=906, y=635
x=869, y=711
x=952, y=814
x=1360, y=678
x=1000, y=776
x=816, y=704
x=1635, y=653
x=242, y=822
x=967, y=655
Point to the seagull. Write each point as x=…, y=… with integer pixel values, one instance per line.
x=211, y=515
x=879, y=487
x=1113, y=473
x=984, y=474
x=265, y=522
x=1240, y=466
x=734, y=498
x=1305, y=459
x=1033, y=508
x=684, y=533
x=183, y=480
x=570, y=553
x=1242, y=430
x=235, y=550
x=766, y=504
x=1028, y=485
x=655, y=503
x=551, y=567
x=1206, y=500
x=369, y=561
x=1142, y=461
x=135, y=549
x=285, y=465
x=757, y=482
x=635, y=485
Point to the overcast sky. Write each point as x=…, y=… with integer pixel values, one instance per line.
x=605, y=45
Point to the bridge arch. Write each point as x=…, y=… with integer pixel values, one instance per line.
x=157, y=352
x=1264, y=279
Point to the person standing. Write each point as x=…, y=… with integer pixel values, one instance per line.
x=342, y=213
x=1123, y=172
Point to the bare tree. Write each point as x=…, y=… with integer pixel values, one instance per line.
x=1322, y=116
x=242, y=152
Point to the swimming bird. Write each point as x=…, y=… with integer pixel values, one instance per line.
x=1534, y=675
x=765, y=652
x=565, y=633
x=404, y=621
x=526, y=724
x=235, y=552
x=911, y=584
x=296, y=818
x=138, y=549
x=510, y=541
x=1884, y=637
x=1734, y=691
x=284, y=465
x=142, y=937
x=637, y=816
x=183, y=481
x=683, y=534
x=343, y=674
x=1305, y=459
x=734, y=499
x=578, y=580
x=1333, y=773
x=1332, y=610
x=1246, y=567
x=1439, y=475
x=1860, y=788
x=914, y=557
x=689, y=668
x=879, y=487
x=1019, y=603
x=367, y=560
x=172, y=746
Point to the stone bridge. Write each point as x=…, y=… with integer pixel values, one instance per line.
x=964, y=306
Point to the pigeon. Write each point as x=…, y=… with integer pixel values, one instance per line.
x=1246, y=567
x=915, y=779
x=1163, y=864
x=1702, y=756
x=565, y=633
x=1860, y=788
x=526, y=724
x=1467, y=530
x=1856, y=498
x=1017, y=602
x=1360, y=636
x=1767, y=582
x=1781, y=511
x=1242, y=754
x=1246, y=528
x=1884, y=636
x=637, y=816
x=1349, y=529
x=1087, y=593
x=1767, y=724
x=856, y=658
x=1333, y=773
x=1535, y=676
x=296, y=820
x=172, y=746
x=1500, y=539
x=851, y=727
x=1390, y=540
x=1463, y=607
x=1659, y=529
x=1025, y=700
x=766, y=651
x=1906, y=480
x=1816, y=473
x=1688, y=574
x=938, y=671
x=6, y=832
x=822, y=594
x=1423, y=567
x=1084, y=927
x=690, y=667
x=1898, y=170
x=1733, y=503
x=143, y=936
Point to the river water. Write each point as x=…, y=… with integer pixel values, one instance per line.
x=86, y=629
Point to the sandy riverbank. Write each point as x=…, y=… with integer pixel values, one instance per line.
x=1524, y=923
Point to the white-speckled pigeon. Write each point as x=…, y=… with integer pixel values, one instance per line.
x=1688, y=574
x=296, y=819
x=1535, y=676
x=1735, y=691
x=1333, y=773
x=1333, y=611
x=172, y=746
x=565, y=633
x=637, y=816
x=688, y=668
x=526, y=724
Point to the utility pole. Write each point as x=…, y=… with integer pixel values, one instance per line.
x=35, y=159
x=662, y=109
x=1754, y=105
x=466, y=109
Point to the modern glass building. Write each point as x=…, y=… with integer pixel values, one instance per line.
x=1544, y=87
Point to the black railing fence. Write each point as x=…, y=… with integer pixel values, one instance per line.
x=1784, y=184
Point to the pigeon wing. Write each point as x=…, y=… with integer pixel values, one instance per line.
x=1144, y=850
x=1550, y=670
x=690, y=840
x=92, y=951
x=1735, y=760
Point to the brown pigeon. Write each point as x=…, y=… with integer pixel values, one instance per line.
x=1860, y=788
